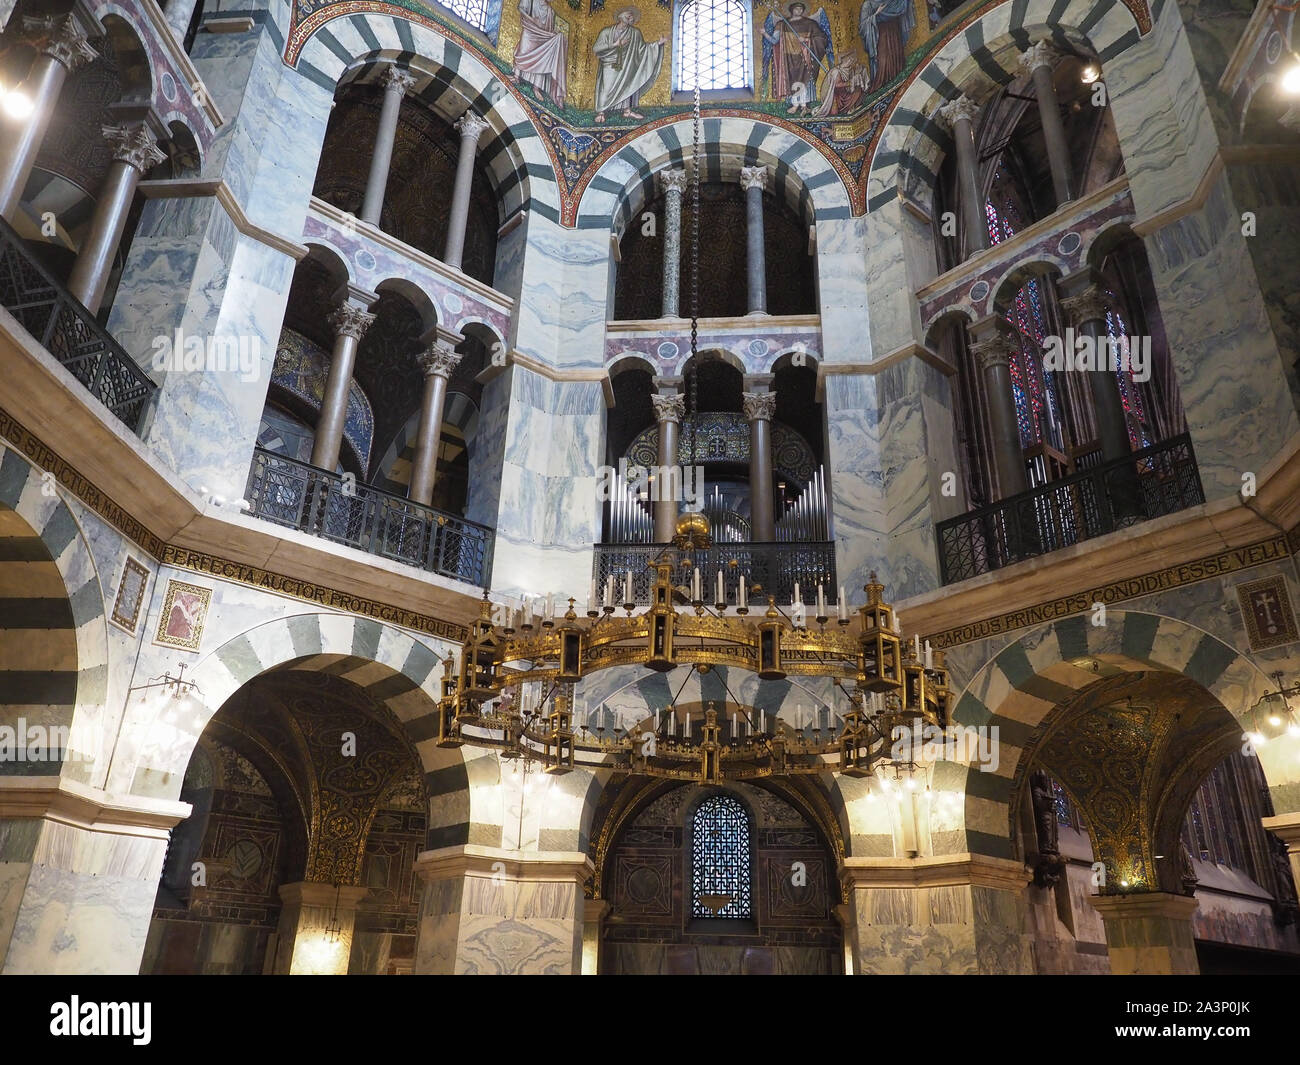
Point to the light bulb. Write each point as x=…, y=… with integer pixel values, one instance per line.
x=1291, y=80
x=1090, y=74
x=17, y=104
x=1257, y=738
x=1274, y=720
x=1293, y=729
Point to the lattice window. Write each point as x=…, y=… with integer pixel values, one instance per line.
x=475, y=12
x=722, y=30
x=1135, y=415
x=720, y=859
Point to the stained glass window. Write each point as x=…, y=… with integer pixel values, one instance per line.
x=1064, y=815
x=720, y=863
x=721, y=28
x=1134, y=412
x=474, y=12
x=1037, y=406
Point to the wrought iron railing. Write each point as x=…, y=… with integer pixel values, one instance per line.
x=69, y=332
x=776, y=566
x=1150, y=483
x=312, y=500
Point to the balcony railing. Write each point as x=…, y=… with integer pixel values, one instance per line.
x=776, y=566
x=311, y=500
x=69, y=332
x=1150, y=483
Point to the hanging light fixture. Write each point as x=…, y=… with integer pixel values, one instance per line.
x=334, y=928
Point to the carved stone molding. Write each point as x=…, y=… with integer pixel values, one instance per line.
x=471, y=126
x=954, y=111
x=350, y=320
x=64, y=40
x=1090, y=305
x=994, y=351
x=759, y=406
x=438, y=360
x=668, y=408
x=135, y=146
x=1040, y=54
x=753, y=177
x=672, y=181
x=394, y=79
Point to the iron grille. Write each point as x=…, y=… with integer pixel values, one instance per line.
x=312, y=500
x=720, y=863
x=1158, y=480
x=69, y=332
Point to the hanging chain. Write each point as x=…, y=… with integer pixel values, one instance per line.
x=695, y=245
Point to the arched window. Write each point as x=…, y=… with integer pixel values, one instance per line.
x=475, y=12
x=720, y=862
x=722, y=30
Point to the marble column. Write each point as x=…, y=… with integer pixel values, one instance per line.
x=594, y=912
x=395, y=82
x=471, y=126
x=673, y=184
x=1039, y=62
x=135, y=150
x=485, y=910
x=753, y=179
x=438, y=362
x=992, y=347
x=178, y=15
x=959, y=116
x=65, y=49
x=350, y=322
x=1084, y=305
x=1149, y=933
x=760, y=407
x=306, y=946
x=669, y=408
x=958, y=914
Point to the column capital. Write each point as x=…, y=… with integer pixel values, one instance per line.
x=65, y=39
x=995, y=350
x=753, y=177
x=667, y=385
x=349, y=320
x=471, y=126
x=134, y=145
x=1087, y=305
x=759, y=406
x=954, y=111
x=668, y=408
x=438, y=360
x=1038, y=54
x=395, y=79
x=671, y=180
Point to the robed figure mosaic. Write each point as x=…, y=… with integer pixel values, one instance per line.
x=542, y=57
x=797, y=51
x=885, y=26
x=629, y=65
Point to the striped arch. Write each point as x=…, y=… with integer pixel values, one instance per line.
x=914, y=143
x=1028, y=679
x=801, y=172
x=66, y=654
x=450, y=80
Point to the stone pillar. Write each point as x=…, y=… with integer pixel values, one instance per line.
x=395, y=83
x=669, y=408
x=484, y=910
x=1084, y=306
x=759, y=409
x=1287, y=828
x=178, y=14
x=959, y=116
x=593, y=926
x=1149, y=934
x=135, y=150
x=992, y=347
x=350, y=322
x=65, y=49
x=305, y=947
x=470, y=126
x=438, y=362
x=79, y=871
x=1039, y=62
x=753, y=179
x=673, y=184
x=956, y=914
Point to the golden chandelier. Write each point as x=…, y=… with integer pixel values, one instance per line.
x=887, y=681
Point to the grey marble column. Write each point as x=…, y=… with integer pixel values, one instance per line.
x=959, y=115
x=759, y=409
x=134, y=151
x=669, y=409
x=1084, y=305
x=350, y=322
x=395, y=83
x=438, y=362
x=178, y=14
x=753, y=179
x=673, y=184
x=65, y=48
x=992, y=347
x=1039, y=62
x=470, y=126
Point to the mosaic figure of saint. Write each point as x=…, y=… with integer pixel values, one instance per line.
x=885, y=26
x=629, y=65
x=796, y=50
x=846, y=86
x=543, y=53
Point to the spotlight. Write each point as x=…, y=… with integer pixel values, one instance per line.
x=17, y=104
x=1274, y=720
x=1291, y=80
x=1091, y=73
